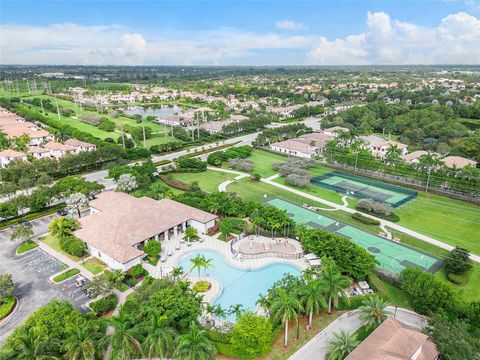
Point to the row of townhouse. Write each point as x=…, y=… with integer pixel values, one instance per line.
x=41, y=143
x=286, y=112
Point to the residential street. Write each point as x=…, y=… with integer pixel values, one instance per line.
x=316, y=349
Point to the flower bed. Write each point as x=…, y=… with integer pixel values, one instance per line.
x=66, y=275
x=202, y=286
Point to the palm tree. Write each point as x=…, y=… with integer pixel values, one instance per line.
x=177, y=272
x=125, y=342
x=264, y=301
x=82, y=344
x=312, y=299
x=160, y=339
x=195, y=345
x=342, y=345
x=285, y=307
x=236, y=309
x=373, y=312
x=190, y=234
x=333, y=282
x=197, y=263
x=117, y=276
x=31, y=345
x=393, y=154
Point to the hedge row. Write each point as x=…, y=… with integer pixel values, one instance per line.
x=65, y=275
x=364, y=219
x=104, y=305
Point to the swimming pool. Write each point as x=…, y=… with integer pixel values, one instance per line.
x=239, y=286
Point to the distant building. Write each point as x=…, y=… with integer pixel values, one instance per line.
x=295, y=147
x=78, y=146
x=414, y=157
x=7, y=156
x=393, y=340
x=57, y=150
x=379, y=146
x=458, y=162
x=333, y=131
x=38, y=152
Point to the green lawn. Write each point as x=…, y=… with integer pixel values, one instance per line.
x=54, y=243
x=262, y=162
x=7, y=307
x=469, y=291
x=207, y=180
x=26, y=246
x=451, y=221
x=94, y=265
x=66, y=275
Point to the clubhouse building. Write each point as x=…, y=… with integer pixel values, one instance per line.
x=119, y=225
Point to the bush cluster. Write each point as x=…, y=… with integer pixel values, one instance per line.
x=73, y=246
x=364, y=219
x=105, y=304
x=201, y=286
x=239, y=152
x=375, y=207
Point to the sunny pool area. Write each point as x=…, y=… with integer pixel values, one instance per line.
x=239, y=286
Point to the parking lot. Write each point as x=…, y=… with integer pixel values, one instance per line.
x=31, y=272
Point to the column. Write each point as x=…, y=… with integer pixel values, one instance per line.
x=175, y=230
x=156, y=237
x=184, y=226
x=165, y=235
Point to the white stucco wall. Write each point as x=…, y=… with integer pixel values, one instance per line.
x=112, y=263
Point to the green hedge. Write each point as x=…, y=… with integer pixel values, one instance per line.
x=65, y=275
x=457, y=279
x=31, y=216
x=364, y=219
x=104, y=305
x=392, y=217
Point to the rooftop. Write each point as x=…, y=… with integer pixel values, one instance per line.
x=458, y=162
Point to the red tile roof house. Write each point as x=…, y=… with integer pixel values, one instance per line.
x=393, y=340
x=458, y=162
x=38, y=152
x=305, y=146
x=57, y=150
x=6, y=156
x=79, y=146
x=119, y=224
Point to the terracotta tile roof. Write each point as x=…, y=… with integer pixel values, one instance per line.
x=319, y=138
x=458, y=162
x=415, y=155
x=18, y=131
x=37, y=150
x=393, y=340
x=11, y=154
x=77, y=143
x=124, y=221
x=56, y=146
x=296, y=145
x=336, y=128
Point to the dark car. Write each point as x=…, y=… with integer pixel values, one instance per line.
x=62, y=212
x=25, y=223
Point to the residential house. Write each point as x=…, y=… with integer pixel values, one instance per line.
x=379, y=146
x=39, y=152
x=393, y=340
x=334, y=131
x=119, y=225
x=79, y=146
x=57, y=150
x=295, y=147
x=458, y=162
x=414, y=157
x=7, y=156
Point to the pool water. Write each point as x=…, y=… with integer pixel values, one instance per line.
x=239, y=286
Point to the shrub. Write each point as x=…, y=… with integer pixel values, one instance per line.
x=106, y=124
x=201, y=286
x=104, y=305
x=364, y=219
x=73, y=246
x=458, y=261
x=375, y=207
x=152, y=248
x=252, y=336
x=457, y=279
x=190, y=164
x=137, y=270
x=241, y=164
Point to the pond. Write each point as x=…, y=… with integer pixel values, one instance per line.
x=159, y=110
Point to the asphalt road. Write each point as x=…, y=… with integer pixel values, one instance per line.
x=316, y=349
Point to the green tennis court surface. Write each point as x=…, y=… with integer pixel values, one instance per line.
x=391, y=256
x=363, y=188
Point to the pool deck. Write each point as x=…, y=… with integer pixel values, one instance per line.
x=212, y=243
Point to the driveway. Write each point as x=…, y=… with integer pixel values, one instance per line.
x=316, y=349
x=30, y=272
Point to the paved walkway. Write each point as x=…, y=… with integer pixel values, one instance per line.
x=383, y=222
x=223, y=186
x=316, y=348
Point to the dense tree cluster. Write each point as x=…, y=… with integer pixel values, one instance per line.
x=270, y=136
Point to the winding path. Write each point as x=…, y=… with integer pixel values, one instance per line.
x=223, y=186
x=316, y=348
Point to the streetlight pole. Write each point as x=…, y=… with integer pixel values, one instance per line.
x=356, y=159
x=428, y=179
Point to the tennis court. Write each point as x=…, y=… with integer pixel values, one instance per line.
x=390, y=255
x=362, y=188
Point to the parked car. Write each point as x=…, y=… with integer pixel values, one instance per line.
x=25, y=223
x=62, y=212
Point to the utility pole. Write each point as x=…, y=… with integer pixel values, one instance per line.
x=428, y=179
x=58, y=110
x=356, y=158
x=143, y=128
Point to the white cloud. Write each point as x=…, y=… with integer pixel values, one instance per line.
x=289, y=25
x=456, y=40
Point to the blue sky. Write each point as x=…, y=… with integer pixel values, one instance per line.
x=240, y=32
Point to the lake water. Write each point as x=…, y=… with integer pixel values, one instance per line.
x=160, y=110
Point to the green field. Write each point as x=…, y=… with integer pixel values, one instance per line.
x=94, y=265
x=262, y=162
x=207, y=180
x=450, y=221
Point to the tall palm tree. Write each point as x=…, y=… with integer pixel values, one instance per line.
x=160, y=339
x=31, y=345
x=312, y=299
x=285, y=307
x=333, y=282
x=342, y=345
x=195, y=345
x=83, y=343
x=177, y=272
x=393, y=154
x=236, y=309
x=373, y=311
x=197, y=263
x=124, y=340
